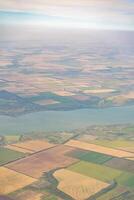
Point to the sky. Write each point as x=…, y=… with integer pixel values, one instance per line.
x=87, y=14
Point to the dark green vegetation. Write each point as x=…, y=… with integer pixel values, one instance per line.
x=91, y=156
x=14, y=105
x=7, y=155
x=66, y=102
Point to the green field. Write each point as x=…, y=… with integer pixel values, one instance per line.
x=100, y=172
x=7, y=155
x=91, y=156
x=114, y=193
x=126, y=179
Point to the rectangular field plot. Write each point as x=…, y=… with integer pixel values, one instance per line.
x=125, y=145
x=126, y=179
x=114, y=194
x=7, y=155
x=78, y=186
x=121, y=164
x=35, y=165
x=18, y=149
x=3, y=197
x=90, y=156
x=11, y=181
x=34, y=145
x=100, y=172
x=28, y=195
x=100, y=149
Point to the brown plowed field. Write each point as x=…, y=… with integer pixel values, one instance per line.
x=38, y=163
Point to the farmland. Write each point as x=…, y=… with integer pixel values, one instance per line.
x=126, y=145
x=33, y=145
x=28, y=195
x=43, y=161
x=67, y=100
x=121, y=164
x=78, y=186
x=100, y=149
x=15, y=148
x=100, y=172
x=11, y=181
x=66, y=165
x=90, y=156
x=7, y=155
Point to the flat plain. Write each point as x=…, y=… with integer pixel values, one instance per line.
x=43, y=161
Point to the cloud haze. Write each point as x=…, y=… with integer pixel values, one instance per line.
x=105, y=14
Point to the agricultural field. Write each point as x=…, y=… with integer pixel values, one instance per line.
x=43, y=161
x=96, y=171
x=90, y=156
x=121, y=164
x=28, y=195
x=57, y=166
x=3, y=197
x=126, y=179
x=116, y=192
x=11, y=181
x=126, y=145
x=34, y=145
x=7, y=155
x=11, y=138
x=101, y=149
x=18, y=149
x=78, y=186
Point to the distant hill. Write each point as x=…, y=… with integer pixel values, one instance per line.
x=13, y=105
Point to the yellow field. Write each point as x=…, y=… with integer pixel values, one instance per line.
x=18, y=149
x=12, y=138
x=78, y=186
x=101, y=149
x=11, y=181
x=34, y=145
x=28, y=195
x=63, y=93
x=98, y=91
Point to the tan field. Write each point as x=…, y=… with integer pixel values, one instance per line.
x=38, y=163
x=18, y=149
x=78, y=186
x=47, y=102
x=87, y=138
x=99, y=91
x=11, y=181
x=101, y=149
x=64, y=93
x=34, y=145
x=130, y=149
x=28, y=195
